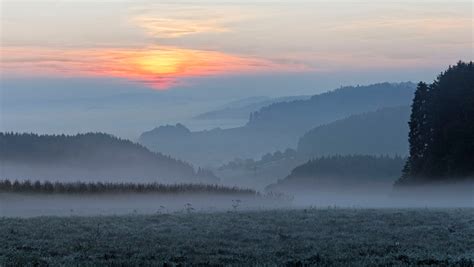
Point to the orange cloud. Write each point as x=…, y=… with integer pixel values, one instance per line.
x=174, y=28
x=160, y=67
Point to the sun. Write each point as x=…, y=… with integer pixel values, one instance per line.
x=159, y=67
x=160, y=63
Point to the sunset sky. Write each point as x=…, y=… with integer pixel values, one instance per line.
x=158, y=43
x=164, y=45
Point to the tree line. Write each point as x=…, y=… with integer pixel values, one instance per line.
x=47, y=187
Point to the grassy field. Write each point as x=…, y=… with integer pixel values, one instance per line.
x=323, y=236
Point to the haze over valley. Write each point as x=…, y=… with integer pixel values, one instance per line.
x=236, y=133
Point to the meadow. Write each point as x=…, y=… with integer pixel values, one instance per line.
x=327, y=236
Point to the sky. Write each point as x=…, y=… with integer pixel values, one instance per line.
x=183, y=57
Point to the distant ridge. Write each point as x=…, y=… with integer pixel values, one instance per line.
x=90, y=157
x=302, y=115
x=277, y=126
x=242, y=109
x=381, y=132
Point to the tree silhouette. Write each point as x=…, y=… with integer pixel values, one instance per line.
x=441, y=134
x=48, y=187
x=420, y=130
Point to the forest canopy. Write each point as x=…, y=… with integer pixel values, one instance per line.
x=343, y=172
x=441, y=124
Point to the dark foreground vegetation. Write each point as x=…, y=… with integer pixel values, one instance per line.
x=47, y=187
x=329, y=236
x=442, y=129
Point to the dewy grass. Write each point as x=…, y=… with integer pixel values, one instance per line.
x=324, y=236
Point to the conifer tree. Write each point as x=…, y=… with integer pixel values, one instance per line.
x=442, y=128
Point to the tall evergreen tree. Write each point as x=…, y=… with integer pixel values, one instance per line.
x=420, y=131
x=442, y=128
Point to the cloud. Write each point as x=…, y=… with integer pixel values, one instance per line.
x=174, y=28
x=157, y=66
x=406, y=28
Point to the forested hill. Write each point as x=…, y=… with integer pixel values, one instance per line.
x=91, y=156
x=342, y=172
x=302, y=115
x=381, y=132
x=275, y=127
x=243, y=108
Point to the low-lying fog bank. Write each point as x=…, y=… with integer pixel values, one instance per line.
x=34, y=204
x=378, y=200
x=458, y=195
x=31, y=205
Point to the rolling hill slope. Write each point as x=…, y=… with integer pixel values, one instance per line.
x=275, y=127
x=242, y=109
x=382, y=132
x=90, y=157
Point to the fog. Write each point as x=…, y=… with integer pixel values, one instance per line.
x=236, y=133
x=446, y=196
x=31, y=205
x=261, y=154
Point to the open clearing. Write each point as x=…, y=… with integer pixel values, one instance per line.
x=322, y=236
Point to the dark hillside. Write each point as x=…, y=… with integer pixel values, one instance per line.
x=91, y=156
x=275, y=127
x=382, y=132
x=342, y=173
